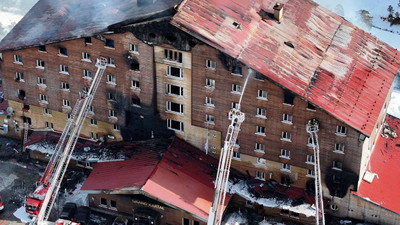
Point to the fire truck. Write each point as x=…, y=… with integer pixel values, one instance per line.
x=40, y=202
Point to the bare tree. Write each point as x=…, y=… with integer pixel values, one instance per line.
x=390, y=10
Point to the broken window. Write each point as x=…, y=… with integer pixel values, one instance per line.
x=111, y=96
x=19, y=77
x=88, y=40
x=237, y=70
x=174, y=125
x=185, y=221
x=113, y=204
x=285, y=180
x=260, y=76
x=62, y=51
x=135, y=100
x=174, y=90
x=109, y=43
x=134, y=64
x=174, y=71
x=173, y=55
x=310, y=106
x=174, y=107
x=27, y=120
x=135, y=84
x=288, y=98
x=337, y=165
x=39, y=64
x=284, y=211
x=21, y=94
x=42, y=48
x=310, y=142
x=26, y=108
x=196, y=222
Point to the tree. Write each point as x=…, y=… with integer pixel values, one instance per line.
x=397, y=15
x=390, y=10
x=398, y=4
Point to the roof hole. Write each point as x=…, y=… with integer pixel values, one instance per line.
x=237, y=25
x=288, y=43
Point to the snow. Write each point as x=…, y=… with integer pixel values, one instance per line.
x=22, y=215
x=241, y=189
x=80, y=198
x=6, y=179
x=235, y=218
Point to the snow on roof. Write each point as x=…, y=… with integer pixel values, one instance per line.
x=385, y=163
x=51, y=21
x=313, y=52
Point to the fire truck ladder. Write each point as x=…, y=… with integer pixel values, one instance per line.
x=26, y=130
x=66, y=145
x=312, y=128
x=225, y=159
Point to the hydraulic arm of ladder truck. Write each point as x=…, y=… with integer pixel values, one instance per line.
x=41, y=201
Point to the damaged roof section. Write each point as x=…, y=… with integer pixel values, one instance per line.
x=311, y=51
x=51, y=21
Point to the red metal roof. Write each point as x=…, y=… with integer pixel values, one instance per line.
x=117, y=175
x=335, y=65
x=385, y=162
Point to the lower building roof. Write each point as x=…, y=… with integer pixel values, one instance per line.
x=380, y=183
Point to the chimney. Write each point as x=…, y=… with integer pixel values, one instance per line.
x=278, y=11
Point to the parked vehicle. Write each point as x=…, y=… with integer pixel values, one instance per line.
x=35, y=199
x=120, y=220
x=68, y=211
x=82, y=215
x=1, y=204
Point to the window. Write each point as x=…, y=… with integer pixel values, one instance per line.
x=111, y=79
x=21, y=94
x=93, y=136
x=174, y=125
x=103, y=201
x=210, y=119
x=88, y=40
x=174, y=72
x=135, y=84
x=47, y=111
x=237, y=70
x=109, y=43
x=260, y=175
x=285, y=167
x=91, y=109
x=310, y=159
x=174, y=90
x=19, y=77
x=18, y=59
x=25, y=108
x=111, y=62
x=286, y=136
x=173, y=55
x=111, y=96
x=259, y=148
x=310, y=173
x=39, y=64
x=311, y=107
x=66, y=103
x=27, y=120
x=284, y=211
x=262, y=95
x=62, y=51
x=85, y=90
x=134, y=64
x=112, y=113
x=93, y=122
x=43, y=98
x=49, y=125
x=116, y=127
x=334, y=207
x=286, y=118
x=86, y=57
x=260, y=130
x=64, y=86
x=210, y=101
x=89, y=164
x=185, y=221
x=42, y=48
x=261, y=161
x=41, y=80
x=210, y=83
x=295, y=215
x=113, y=204
x=337, y=165
x=68, y=116
x=310, y=142
x=341, y=130
x=261, y=112
x=134, y=48
x=236, y=155
x=64, y=69
x=285, y=154
x=260, y=76
x=234, y=105
x=288, y=98
x=87, y=74
x=196, y=222
x=135, y=101
x=174, y=107
x=211, y=64
x=236, y=88
x=339, y=148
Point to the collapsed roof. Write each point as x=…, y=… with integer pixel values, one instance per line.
x=52, y=21
x=313, y=52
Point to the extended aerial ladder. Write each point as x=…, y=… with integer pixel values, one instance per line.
x=58, y=163
x=221, y=182
x=312, y=128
